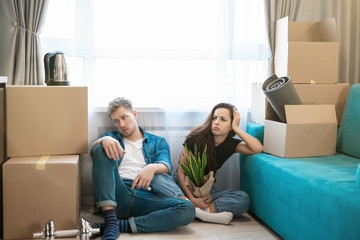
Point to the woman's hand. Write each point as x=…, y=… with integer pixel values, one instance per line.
x=200, y=202
x=236, y=120
x=249, y=145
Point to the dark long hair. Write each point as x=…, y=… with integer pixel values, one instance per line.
x=202, y=136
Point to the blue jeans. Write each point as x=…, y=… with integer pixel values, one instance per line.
x=146, y=211
x=235, y=201
x=165, y=185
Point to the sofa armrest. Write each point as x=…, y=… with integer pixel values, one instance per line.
x=255, y=130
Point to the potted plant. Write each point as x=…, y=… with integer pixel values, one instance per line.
x=199, y=184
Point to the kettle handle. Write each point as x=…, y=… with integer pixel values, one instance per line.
x=47, y=66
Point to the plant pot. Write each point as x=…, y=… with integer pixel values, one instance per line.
x=205, y=189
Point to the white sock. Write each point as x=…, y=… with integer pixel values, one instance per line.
x=205, y=209
x=206, y=216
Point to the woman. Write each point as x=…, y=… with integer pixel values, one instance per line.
x=217, y=134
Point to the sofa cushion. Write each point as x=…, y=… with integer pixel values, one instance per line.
x=348, y=141
x=256, y=131
x=358, y=176
x=304, y=198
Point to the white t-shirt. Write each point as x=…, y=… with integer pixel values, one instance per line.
x=133, y=161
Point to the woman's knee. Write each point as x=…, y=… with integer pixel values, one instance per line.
x=244, y=202
x=235, y=201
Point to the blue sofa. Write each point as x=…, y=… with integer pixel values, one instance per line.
x=312, y=197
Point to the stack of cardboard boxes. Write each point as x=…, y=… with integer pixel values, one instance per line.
x=47, y=129
x=307, y=52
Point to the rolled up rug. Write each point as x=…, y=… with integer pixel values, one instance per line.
x=280, y=92
x=358, y=175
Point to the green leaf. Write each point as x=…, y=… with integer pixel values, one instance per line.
x=203, y=165
x=195, y=171
x=187, y=172
x=188, y=153
x=195, y=150
x=204, y=159
x=196, y=164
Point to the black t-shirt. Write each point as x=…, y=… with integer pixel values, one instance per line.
x=223, y=151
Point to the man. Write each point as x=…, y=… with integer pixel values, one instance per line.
x=126, y=164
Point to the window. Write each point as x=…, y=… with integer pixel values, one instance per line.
x=161, y=53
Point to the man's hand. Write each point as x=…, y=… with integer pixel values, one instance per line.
x=200, y=202
x=144, y=178
x=112, y=148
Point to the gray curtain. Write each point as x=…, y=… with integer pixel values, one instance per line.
x=20, y=53
x=346, y=13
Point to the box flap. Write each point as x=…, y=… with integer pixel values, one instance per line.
x=275, y=138
x=328, y=31
x=296, y=114
x=281, y=33
x=321, y=31
x=281, y=47
x=303, y=32
x=325, y=94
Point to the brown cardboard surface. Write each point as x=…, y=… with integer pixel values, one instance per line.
x=43, y=120
x=335, y=94
x=321, y=31
x=309, y=140
x=313, y=62
x=37, y=189
x=308, y=114
x=311, y=131
x=2, y=142
x=307, y=51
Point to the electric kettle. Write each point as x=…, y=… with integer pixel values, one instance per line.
x=55, y=69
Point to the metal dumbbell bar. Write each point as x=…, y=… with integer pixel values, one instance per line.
x=49, y=232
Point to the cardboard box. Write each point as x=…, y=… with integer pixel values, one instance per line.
x=310, y=131
x=307, y=51
x=309, y=94
x=335, y=94
x=258, y=104
x=44, y=120
x=37, y=189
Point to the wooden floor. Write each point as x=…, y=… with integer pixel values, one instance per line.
x=247, y=227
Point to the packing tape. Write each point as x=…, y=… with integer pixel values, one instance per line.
x=40, y=164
